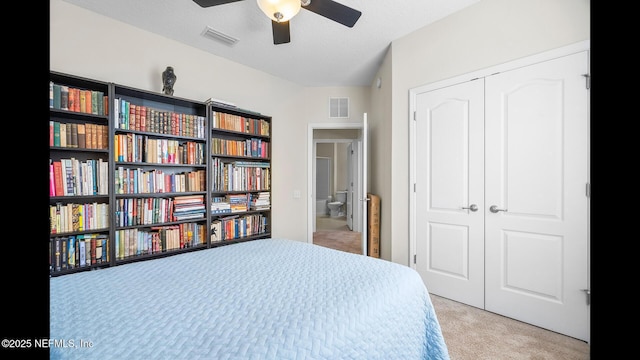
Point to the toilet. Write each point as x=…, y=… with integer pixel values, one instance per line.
x=336, y=208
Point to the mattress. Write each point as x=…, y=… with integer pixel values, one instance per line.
x=262, y=299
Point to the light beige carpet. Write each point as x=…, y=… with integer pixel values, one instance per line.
x=474, y=334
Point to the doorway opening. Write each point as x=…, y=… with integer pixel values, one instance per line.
x=335, y=181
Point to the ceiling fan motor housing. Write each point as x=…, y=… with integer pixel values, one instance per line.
x=279, y=10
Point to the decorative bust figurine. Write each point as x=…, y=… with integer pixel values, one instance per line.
x=168, y=79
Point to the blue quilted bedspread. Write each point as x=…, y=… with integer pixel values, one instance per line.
x=263, y=299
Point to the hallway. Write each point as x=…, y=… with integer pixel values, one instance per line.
x=334, y=233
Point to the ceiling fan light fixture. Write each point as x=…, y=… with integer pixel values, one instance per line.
x=279, y=10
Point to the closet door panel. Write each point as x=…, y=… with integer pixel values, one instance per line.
x=536, y=161
x=449, y=181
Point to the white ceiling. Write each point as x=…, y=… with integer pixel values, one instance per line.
x=321, y=52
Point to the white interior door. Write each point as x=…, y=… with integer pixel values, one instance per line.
x=449, y=191
x=536, y=177
x=364, y=198
x=351, y=163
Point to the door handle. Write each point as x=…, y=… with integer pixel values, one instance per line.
x=494, y=209
x=472, y=207
x=588, y=293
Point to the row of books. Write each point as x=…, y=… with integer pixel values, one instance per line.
x=236, y=227
x=136, y=242
x=63, y=97
x=83, y=136
x=144, y=118
x=260, y=201
x=230, y=203
x=189, y=207
x=239, y=176
x=142, y=148
x=233, y=203
x=249, y=147
x=143, y=211
x=72, y=177
x=77, y=251
x=154, y=181
x=159, y=210
x=66, y=218
x=225, y=121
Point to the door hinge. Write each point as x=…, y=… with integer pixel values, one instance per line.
x=414, y=258
x=587, y=78
x=588, y=190
x=415, y=116
x=414, y=187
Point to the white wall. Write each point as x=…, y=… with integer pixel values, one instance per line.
x=379, y=156
x=341, y=167
x=326, y=150
x=315, y=109
x=487, y=33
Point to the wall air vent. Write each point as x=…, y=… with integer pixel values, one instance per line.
x=218, y=36
x=338, y=107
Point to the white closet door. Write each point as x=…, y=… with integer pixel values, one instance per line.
x=449, y=161
x=536, y=160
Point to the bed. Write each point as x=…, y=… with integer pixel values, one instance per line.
x=262, y=299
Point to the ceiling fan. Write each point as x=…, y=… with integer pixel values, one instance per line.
x=281, y=11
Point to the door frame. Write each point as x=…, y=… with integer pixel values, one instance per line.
x=311, y=163
x=510, y=65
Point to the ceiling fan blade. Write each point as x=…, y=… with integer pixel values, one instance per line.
x=334, y=11
x=208, y=3
x=281, y=34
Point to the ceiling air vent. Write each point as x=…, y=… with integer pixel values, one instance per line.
x=218, y=36
x=338, y=107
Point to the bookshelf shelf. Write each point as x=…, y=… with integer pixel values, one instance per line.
x=156, y=194
x=99, y=230
x=75, y=115
x=78, y=150
x=142, y=257
x=155, y=165
x=75, y=198
x=222, y=131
